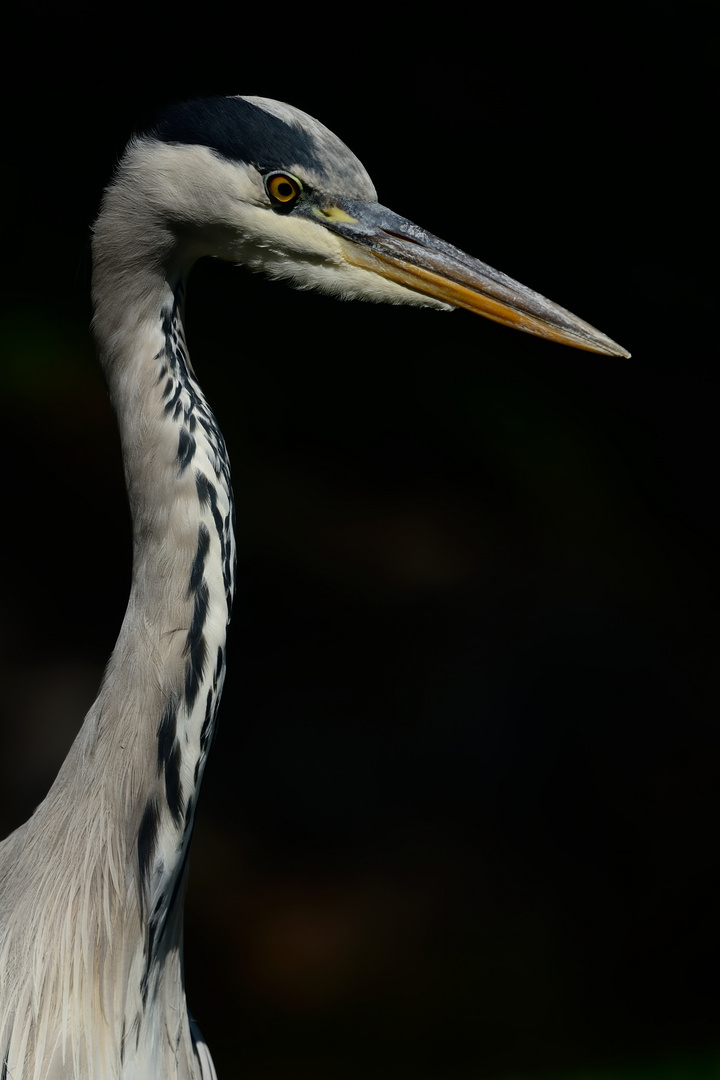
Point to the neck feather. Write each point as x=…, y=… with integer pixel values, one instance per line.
x=103, y=946
x=163, y=683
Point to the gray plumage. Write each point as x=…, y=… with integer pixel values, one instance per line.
x=91, y=887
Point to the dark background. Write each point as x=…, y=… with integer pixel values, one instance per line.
x=461, y=816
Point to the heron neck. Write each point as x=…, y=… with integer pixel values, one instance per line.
x=162, y=687
x=123, y=803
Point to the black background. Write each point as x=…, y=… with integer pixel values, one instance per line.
x=461, y=815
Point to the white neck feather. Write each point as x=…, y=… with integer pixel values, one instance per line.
x=104, y=947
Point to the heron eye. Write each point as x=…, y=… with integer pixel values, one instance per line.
x=283, y=189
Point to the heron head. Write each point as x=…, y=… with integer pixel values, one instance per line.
x=259, y=182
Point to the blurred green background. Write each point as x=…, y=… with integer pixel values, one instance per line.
x=461, y=817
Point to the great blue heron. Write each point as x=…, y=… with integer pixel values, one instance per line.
x=91, y=887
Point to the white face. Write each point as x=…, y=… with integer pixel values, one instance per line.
x=300, y=248
x=222, y=208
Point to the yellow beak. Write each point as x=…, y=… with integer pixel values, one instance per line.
x=384, y=243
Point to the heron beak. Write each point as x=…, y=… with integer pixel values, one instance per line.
x=384, y=243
